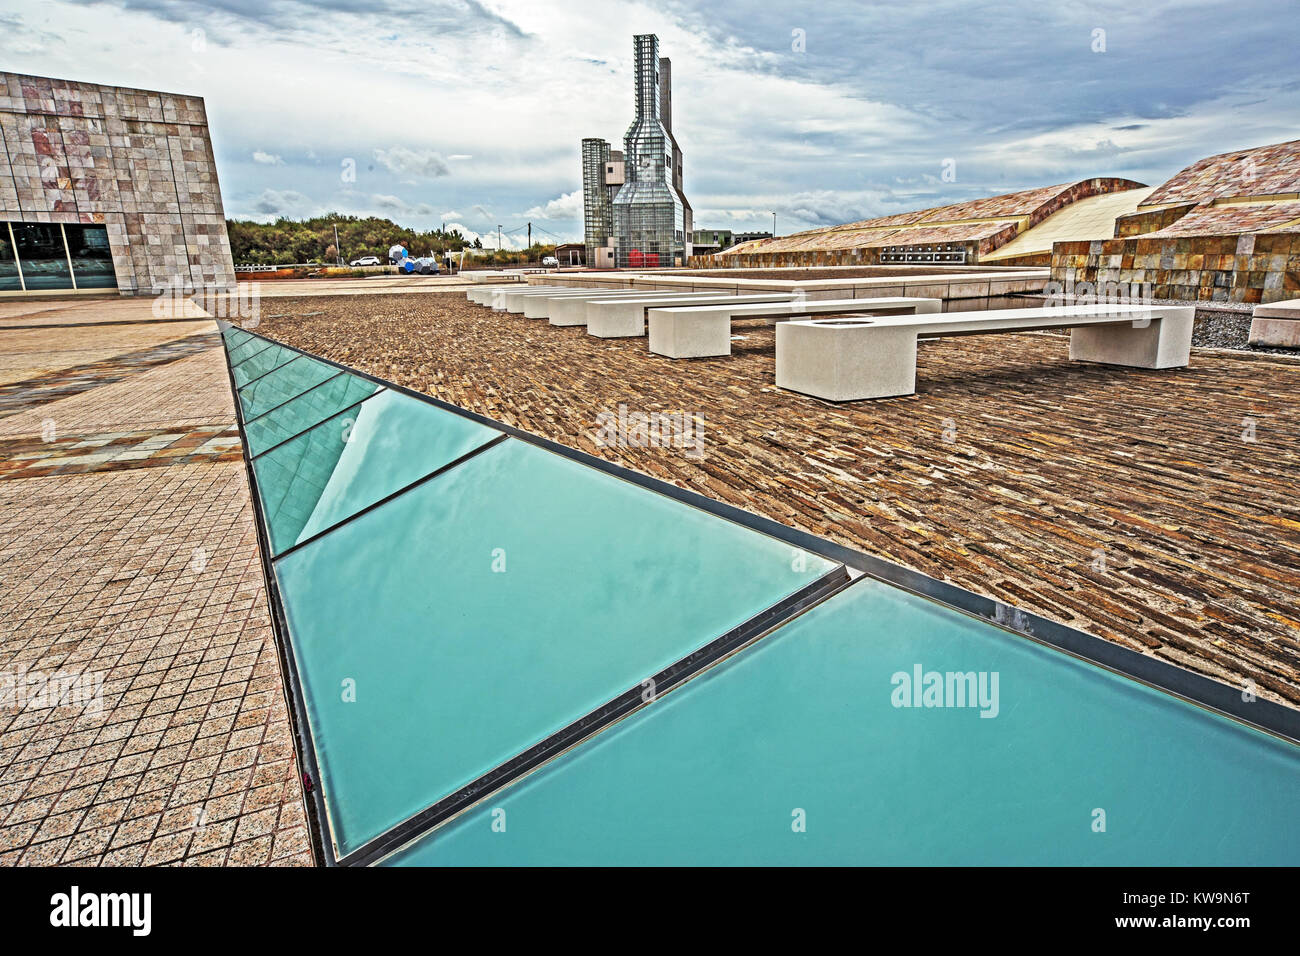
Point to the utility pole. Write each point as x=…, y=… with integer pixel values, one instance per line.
x=498, y=237
x=773, y=225
x=530, y=235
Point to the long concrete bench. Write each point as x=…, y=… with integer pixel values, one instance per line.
x=520, y=303
x=538, y=306
x=488, y=295
x=624, y=318
x=556, y=307
x=482, y=295
x=572, y=310
x=1276, y=324
x=512, y=300
x=847, y=359
x=702, y=331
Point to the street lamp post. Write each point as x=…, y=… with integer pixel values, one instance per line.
x=773, y=225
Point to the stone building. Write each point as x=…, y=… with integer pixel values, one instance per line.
x=107, y=188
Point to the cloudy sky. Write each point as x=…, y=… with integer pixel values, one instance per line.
x=471, y=111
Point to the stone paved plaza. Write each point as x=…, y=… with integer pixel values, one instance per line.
x=130, y=561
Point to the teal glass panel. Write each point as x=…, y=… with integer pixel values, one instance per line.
x=276, y=387
x=234, y=336
x=310, y=408
x=258, y=363
x=473, y=616
x=247, y=349
x=803, y=725
x=355, y=459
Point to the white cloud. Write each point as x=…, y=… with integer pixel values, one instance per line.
x=420, y=164
x=487, y=102
x=396, y=206
x=273, y=204
x=566, y=207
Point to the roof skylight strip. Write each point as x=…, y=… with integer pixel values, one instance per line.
x=608, y=714
x=304, y=430
x=1264, y=714
x=286, y=355
x=443, y=469
x=1167, y=677
x=248, y=393
x=247, y=353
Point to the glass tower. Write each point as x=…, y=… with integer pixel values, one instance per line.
x=597, y=205
x=649, y=214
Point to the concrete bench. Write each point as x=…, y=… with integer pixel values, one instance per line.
x=847, y=359
x=702, y=331
x=572, y=310
x=560, y=308
x=538, y=306
x=623, y=318
x=512, y=300
x=482, y=295
x=1276, y=324
x=540, y=300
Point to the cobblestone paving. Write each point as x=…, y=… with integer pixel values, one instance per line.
x=1157, y=509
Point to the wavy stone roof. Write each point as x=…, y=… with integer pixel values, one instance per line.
x=1233, y=218
x=1263, y=171
x=971, y=220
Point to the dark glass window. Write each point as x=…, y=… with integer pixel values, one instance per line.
x=92, y=262
x=43, y=255
x=9, y=281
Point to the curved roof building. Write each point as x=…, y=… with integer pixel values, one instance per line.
x=967, y=232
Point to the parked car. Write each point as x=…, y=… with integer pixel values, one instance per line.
x=550, y=262
x=365, y=261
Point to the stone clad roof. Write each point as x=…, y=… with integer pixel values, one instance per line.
x=1262, y=171
x=1234, y=218
x=991, y=219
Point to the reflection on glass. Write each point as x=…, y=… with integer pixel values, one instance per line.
x=470, y=661
x=9, y=280
x=260, y=362
x=815, y=709
x=308, y=409
x=358, y=457
x=43, y=255
x=277, y=387
x=92, y=262
x=243, y=354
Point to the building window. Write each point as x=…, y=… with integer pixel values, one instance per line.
x=92, y=262
x=43, y=255
x=51, y=256
x=10, y=281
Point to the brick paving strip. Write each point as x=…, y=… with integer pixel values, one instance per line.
x=114, y=451
x=19, y=396
x=144, y=718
